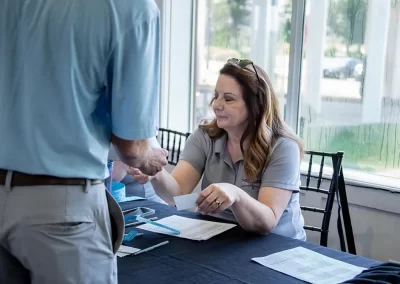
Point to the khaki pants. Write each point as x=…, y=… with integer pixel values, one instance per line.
x=59, y=234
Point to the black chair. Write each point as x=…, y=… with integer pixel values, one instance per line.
x=173, y=141
x=337, y=188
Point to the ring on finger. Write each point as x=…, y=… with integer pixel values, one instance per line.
x=219, y=203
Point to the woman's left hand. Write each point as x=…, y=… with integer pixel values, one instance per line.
x=216, y=198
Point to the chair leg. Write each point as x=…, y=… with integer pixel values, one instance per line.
x=346, y=215
x=324, y=239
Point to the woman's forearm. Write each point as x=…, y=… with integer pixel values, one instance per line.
x=252, y=215
x=166, y=186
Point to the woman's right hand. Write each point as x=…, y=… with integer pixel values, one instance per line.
x=138, y=175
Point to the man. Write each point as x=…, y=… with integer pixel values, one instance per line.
x=57, y=60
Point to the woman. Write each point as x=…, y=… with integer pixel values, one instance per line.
x=247, y=157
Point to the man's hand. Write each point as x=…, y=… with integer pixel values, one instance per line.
x=138, y=154
x=156, y=160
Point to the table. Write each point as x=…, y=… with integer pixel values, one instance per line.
x=225, y=258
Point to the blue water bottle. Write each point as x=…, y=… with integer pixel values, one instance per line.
x=110, y=166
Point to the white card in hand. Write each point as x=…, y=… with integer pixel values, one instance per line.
x=187, y=201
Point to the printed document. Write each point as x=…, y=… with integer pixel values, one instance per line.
x=309, y=266
x=192, y=229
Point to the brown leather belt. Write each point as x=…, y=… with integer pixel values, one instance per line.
x=22, y=179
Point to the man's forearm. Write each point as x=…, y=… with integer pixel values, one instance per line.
x=132, y=153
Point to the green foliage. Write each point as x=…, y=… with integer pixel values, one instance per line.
x=286, y=24
x=228, y=18
x=330, y=51
x=369, y=147
x=356, y=54
x=347, y=20
x=219, y=26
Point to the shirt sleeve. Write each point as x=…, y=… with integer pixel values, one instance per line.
x=196, y=149
x=133, y=75
x=283, y=169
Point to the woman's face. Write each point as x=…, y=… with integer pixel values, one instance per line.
x=228, y=105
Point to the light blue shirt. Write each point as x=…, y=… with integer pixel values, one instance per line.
x=58, y=59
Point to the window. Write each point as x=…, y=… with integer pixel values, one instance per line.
x=350, y=86
x=258, y=29
x=335, y=65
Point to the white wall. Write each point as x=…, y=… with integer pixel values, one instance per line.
x=375, y=218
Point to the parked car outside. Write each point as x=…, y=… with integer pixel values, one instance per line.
x=340, y=67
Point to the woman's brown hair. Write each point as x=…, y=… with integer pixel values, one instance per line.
x=265, y=121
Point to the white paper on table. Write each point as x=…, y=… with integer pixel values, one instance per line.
x=125, y=250
x=309, y=266
x=132, y=198
x=187, y=201
x=192, y=229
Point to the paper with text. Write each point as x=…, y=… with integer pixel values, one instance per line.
x=125, y=250
x=192, y=229
x=187, y=201
x=309, y=266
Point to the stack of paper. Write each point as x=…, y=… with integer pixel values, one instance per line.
x=192, y=229
x=310, y=266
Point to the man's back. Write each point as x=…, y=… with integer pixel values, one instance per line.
x=56, y=61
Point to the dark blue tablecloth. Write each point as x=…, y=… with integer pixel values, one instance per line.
x=223, y=258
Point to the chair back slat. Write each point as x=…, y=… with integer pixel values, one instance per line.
x=168, y=145
x=309, y=170
x=313, y=209
x=321, y=169
x=174, y=143
x=179, y=146
x=312, y=228
x=314, y=189
x=162, y=139
x=173, y=148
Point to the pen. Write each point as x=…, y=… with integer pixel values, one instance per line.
x=136, y=235
x=129, y=210
x=151, y=248
x=140, y=223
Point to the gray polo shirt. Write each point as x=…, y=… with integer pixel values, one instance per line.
x=212, y=160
